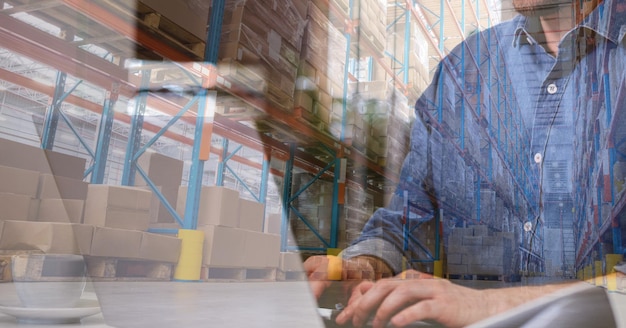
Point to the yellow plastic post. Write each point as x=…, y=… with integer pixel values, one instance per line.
x=438, y=269
x=612, y=260
x=611, y=276
x=599, y=281
x=190, y=260
x=588, y=274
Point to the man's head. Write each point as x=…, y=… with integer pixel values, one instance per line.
x=539, y=7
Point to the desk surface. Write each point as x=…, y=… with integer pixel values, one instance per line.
x=178, y=304
x=172, y=304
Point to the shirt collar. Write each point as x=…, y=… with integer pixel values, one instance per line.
x=607, y=20
x=521, y=33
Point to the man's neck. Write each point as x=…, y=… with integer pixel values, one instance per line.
x=550, y=27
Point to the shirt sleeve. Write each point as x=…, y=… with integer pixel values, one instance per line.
x=383, y=236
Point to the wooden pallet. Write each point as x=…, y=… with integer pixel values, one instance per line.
x=226, y=274
x=154, y=23
x=117, y=269
x=5, y=269
x=29, y=265
x=290, y=275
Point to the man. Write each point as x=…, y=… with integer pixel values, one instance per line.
x=548, y=53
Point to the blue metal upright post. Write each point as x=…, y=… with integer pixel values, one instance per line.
x=462, y=99
x=338, y=179
x=407, y=45
x=264, y=182
x=287, y=181
x=346, y=73
x=206, y=107
x=104, y=136
x=478, y=183
x=134, y=138
x=51, y=120
x=219, y=178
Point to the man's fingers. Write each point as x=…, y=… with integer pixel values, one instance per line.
x=423, y=310
x=398, y=299
x=359, y=290
x=318, y=287
x=362, y=308
x=314, y=263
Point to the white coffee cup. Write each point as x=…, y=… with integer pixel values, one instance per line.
x=49, y=280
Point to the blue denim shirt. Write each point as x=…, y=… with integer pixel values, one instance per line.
x=556, y=98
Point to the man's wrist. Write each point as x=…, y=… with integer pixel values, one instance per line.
x=377, y=268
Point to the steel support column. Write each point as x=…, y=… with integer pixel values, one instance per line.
x=221, y=166
x=134, y=137
x=104, y=136
x=339, y=178
x=200, y=154
x=203, y=129
x=51, y=120
x=287, y=181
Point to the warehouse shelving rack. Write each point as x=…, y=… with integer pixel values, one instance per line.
x=507, y=137
x=609, y=227
x=504, y=133
x=36, y=44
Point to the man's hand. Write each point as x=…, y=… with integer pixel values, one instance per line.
x=414, y=296
x=323, y=270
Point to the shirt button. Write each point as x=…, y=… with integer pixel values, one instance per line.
x=552, y=89
x=538, y=158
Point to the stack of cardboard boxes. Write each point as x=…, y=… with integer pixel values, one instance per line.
x=314, y=204
x=233, y=229
x=42, y=210
x=477, y=251
x=372, y=17
x=260, y=47
x=166, y=174
x=320, y=88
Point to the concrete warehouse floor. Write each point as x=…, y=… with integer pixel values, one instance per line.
x=177, y=304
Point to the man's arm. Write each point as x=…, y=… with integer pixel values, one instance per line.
x=402, y=301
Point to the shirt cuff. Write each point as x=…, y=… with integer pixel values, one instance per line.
x=379, y=248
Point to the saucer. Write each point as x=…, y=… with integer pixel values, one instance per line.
x=84, y=309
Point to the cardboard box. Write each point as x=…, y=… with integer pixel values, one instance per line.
x=18, y=181
x=160, y=248
x=55, y=187
x=290, y=261
x=61, y=210
x=223, y=246
x=158, y=211
x=480, y=230
x=218, y=206
x=17, y=207
x=100, y=197
x=32, y=158
x=273, y=223
x=59, y=238
x=251, y=215
x=118, y=207
x=120, y=243
x=163, y=170
x=63, y=165
x=115, y=217
x=261, y=250
x=189, y=15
